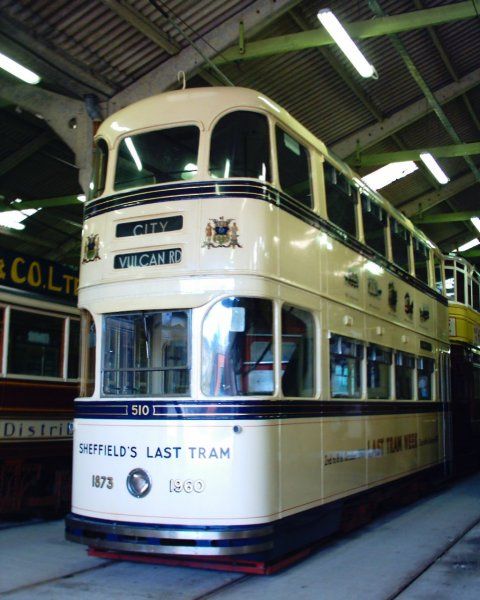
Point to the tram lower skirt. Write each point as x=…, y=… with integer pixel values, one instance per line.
x=217, y=563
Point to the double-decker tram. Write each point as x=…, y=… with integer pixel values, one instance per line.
x=39, y=379
x=270, y=341
x=462, y=284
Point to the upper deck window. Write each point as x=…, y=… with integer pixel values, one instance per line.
x=341, y=200
x=99, y=169
x=374, y=222
x=240, y=146
x=157, y=157
x=421, y=255
x=294, y=167
x=400, y=245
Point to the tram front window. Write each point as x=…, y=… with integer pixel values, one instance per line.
x=240, y=147
x=157, y=157
x=146, y=354
x=237, y=348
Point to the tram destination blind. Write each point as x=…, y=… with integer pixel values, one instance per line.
x=154, y=258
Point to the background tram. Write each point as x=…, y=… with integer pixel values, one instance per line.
x=38, y=382
x=271, y=344
x=462, y=283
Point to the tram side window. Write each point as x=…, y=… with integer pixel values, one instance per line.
x=437, y=263
x=460, y=283
x=157, y=157
x=400, y=245
x=147, y=354
x=421, y=256
x=294, y=167
x=298, y=339
x=89, y=347
x=35, y=344
x=237, y=348
x=99, y=169
x=73, y=349
x=379, y=362
x=404, y=376
x=240, y=147
x=346, y=357
x=449, y=280
x=476, y=291
x=425, y=368
x=341, y=199
x=374, y=222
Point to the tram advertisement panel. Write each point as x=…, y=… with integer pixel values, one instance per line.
x=31, y=274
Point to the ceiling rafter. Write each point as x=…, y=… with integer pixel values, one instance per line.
x=448, y=65
x=427, y=201
x=25, y=151
x=437, y=109
x=254, y=17
x=358, y=30
x=373, y=134
x=43, y=203
x=384, y=158
x=52, y=62
x=137, y=20
x=450, y=217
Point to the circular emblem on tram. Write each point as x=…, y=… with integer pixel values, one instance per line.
x=138, y=483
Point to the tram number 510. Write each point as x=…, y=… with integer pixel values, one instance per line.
x=188, y=486
x=140, y=410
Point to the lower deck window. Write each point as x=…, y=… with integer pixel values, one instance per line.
x=237, y=348
x=425, y=368
x=379, y=363
x=35, y=344
x=345, y=367
x=298, y=335
x=146, y=354
x=404, y=376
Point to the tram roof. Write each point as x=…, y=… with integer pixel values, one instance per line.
x=204, y=105
x=95, y=58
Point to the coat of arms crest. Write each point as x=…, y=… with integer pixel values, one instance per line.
x=221, y=233
x=91, y=248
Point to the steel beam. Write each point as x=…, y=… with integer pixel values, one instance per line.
x=375, y=133
x=386, y=158
x=359, y=30
x=17, y=157
x=255, y=17
x=428, y=201
x=49, y=63
x=451, y=217
x=66, y=116
x=45, y=203
x=137, y=20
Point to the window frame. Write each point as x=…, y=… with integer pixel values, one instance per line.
x=206, y=145
x=354, y=198
x=280, y=126
x=134, y=370
x=5, y=345
x=114, y=153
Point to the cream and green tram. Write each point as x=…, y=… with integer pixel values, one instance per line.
x=270, y=339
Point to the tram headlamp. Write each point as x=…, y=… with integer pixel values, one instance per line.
x=138, y=483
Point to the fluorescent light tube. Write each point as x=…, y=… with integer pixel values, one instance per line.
x=476, y=222
x=16, y=69
x=434, y=167
x=345, y=43
x=389, y=173
x=13, y=218
x=468, y=245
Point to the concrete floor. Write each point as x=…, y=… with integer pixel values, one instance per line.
x=430, y=549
